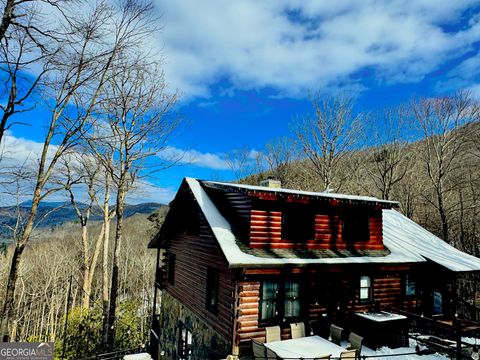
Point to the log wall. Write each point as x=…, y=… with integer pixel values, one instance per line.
x=266, y=232
x=331, y=293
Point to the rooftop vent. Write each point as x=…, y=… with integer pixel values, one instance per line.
x=271, y=183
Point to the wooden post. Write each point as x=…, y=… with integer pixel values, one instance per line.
x=455, y=295
x=475, y=312
x=458, y=338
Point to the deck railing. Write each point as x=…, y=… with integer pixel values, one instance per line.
x=468, y=310
x=452, y=330
x=115, y=355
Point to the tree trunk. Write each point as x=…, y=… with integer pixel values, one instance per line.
x=6, y=18
x=8, y=305
x=90, y=265
x=116, y=255
x=106, y=240
x=443, y=215
x=86, y=268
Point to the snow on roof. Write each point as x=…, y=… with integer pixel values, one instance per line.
x=304, y=193
x=399, y=232
x=407, y=241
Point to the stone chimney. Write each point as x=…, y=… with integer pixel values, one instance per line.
x=271, y=183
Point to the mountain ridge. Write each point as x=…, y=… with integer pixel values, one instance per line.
x=56, y=213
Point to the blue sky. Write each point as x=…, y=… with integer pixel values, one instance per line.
x=245, y=68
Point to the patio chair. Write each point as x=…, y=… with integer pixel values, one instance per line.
x=355, y=343
x=336, y=334
x=272, y=333
x=258, y=350
x=313, y=327
x=271, y=355
x=349, y=354
x=297, y=330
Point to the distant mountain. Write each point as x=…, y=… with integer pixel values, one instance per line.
x=53, y=214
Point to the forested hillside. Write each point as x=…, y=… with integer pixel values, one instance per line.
x=48, y=269
x=425, y=155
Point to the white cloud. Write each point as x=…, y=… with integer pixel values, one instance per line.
x=20, y=152
x=463, y=76
x=16, y=151
x=475, y=90
x=218, y=161
x=295, y=45
x=197, y=158
x=148, y=192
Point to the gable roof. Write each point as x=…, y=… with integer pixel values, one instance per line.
x=406, y=241
x=282, y=191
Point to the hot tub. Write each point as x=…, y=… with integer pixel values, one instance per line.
x=381, y=329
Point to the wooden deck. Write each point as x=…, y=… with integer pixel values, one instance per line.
x=443, y=328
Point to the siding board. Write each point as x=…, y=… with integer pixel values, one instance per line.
x=193, y=254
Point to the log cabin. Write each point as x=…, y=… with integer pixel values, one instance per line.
x=233, y=259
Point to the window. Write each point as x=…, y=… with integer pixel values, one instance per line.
x=170, y=260
x=212, y=289
x=298, y=222
x=279, y=301
x=268, y=300
x=365, y=289
x=292, y=299
x=437, y=307
x=356, y=226
x=184, y=343
x=410, y=285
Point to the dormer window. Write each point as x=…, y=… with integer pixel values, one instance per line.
x=356, y=226
x=298, y=223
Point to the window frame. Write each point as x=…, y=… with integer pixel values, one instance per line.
x=408, y=279
x=213, y=279
x=348, y=234
x=184, y=349
x=280, y=302
x=368, y=299
x=274, y=301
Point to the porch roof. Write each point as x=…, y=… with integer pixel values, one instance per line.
x=407, y=242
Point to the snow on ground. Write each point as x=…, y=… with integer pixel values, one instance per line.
x=142, y=356
x=402, y=350
x=471, y=340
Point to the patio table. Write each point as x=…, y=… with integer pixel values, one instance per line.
x=308, y=347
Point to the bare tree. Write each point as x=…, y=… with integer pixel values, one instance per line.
x=243, y=162
x=85, y=175
x=90, y=46
x=389, y=160
x=279, y=155
x=18, y=56
x=327, y=136
x=441, y=122
x=107, y=213
x=138, y=122
x=16, y=12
